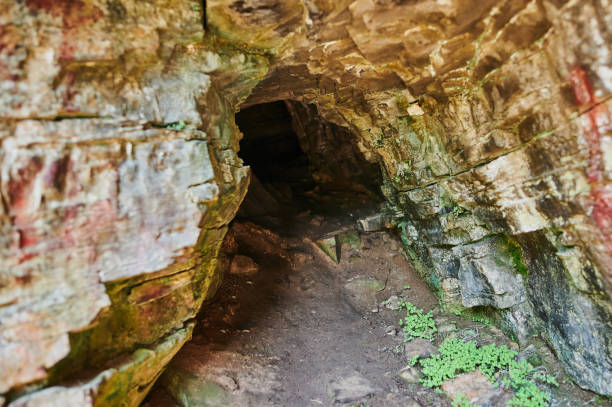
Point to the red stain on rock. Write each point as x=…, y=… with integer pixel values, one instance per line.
x=22, y=259
x=68, y=47
x=10, y=41
x=27, y=237
x=20, y=193
x=74, y=13
x=82, y=225
x=602, y=208
x=581, y=85
x=69, y=94
x=57, y=172
x=151, y=293
x=597, y=122
x=20, y=186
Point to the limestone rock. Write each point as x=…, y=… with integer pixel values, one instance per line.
x=330, y=248
x=477, y=389
x=361, y=292
x=112, y=217
x=131, y=377
x=490, y=121
x=410, y=374
x=73, y=230
x=502, y=143
x=206, y=377
x=351, y=388
x=419, y=347
x=372, y=223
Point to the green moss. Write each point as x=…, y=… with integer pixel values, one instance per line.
x=484, y=315
x=404, y=121
x=462, y=401
x=380, y=141
x=416, y=323
x=600, y=399
x=330, y=248
x=403, y=233
x=516, y=254
x=434, y=281
x=161, y=297
x=457, y=357
x=176, y=126
x=487, y=77
x=350, y=238
x=400, y=100
x=449, y=206
x=457, y=211
x=510, y=253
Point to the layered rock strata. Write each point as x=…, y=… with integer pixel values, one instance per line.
x=118, y=177
x=492, y=125
x=118, y=166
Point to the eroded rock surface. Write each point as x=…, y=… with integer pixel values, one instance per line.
x=492, y=124
x=490, y=120
x=118, y=175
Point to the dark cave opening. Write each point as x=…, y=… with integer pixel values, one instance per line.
x=302, y=164
x=270, y=146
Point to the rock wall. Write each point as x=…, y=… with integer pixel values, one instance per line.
x=491, y=121
x=118, y=176
x=335, y=159
x=118, y=166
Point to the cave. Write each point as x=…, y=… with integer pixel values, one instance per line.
x=270, y=146
x=321, y=171
x=280, y=173
x=305, y=202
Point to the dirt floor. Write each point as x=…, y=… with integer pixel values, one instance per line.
x=290, y=327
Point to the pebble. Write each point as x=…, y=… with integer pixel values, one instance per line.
x=352, y=388
x=394, y=246
x=391, y=330
x=419, y=347
x=477, y=389
x=392, y=302
x=410, y=374
x=531, y=355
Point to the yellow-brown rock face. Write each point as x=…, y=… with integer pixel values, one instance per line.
x=119, y=173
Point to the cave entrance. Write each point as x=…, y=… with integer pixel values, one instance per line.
x=279, y=166
x=270, y=145
x=302, y=165
x=299, y=306
x=307, y=312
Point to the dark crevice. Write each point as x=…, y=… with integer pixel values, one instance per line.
x=204, y=17
x=300, y=163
